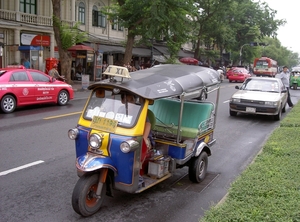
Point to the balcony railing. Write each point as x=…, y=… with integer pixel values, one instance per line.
x=25, y=18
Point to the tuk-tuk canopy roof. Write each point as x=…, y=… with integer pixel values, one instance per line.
x=163, y=80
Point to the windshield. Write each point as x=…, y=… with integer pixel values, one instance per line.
x=122, y=107
x=260, y=85
x=262, y=64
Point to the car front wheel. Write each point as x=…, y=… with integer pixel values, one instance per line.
x=278, y=116
x=8, y=104
x=63, y=98
x=232, y=113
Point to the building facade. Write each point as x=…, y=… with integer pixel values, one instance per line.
x=26, y=33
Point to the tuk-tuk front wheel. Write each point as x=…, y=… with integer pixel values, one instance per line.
x=84, y=200
x=198, y=168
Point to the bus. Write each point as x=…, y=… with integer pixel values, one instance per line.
x=265, y=66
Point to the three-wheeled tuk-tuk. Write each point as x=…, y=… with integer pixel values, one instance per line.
x=115, y=148
x=295, y=79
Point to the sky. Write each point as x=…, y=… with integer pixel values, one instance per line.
x=287, y=34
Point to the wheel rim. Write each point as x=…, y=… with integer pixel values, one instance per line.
x=63, y=98
x=8, y=104
x=201, y=167
x=90, y=199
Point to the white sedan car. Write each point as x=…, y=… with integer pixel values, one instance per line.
x=259, y=95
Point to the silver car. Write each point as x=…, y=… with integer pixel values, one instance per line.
x=259, y=95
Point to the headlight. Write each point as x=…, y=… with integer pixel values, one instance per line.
x=236, y=100
x=271, y=103
x=95, y=141
x=73, y=133
x=129, y=145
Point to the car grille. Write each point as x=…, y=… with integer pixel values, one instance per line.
x=252, y=101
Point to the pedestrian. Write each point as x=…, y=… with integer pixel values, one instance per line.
x=26, y=64
x=285, y=78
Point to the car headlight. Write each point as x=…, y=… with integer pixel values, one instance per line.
x=73, y=133
x=236, y=100
x=95, y=141
x=271, y=103
x=129, y=145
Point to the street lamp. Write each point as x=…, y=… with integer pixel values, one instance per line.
x=241, y=53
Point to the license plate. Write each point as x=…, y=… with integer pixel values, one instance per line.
x=250, y=110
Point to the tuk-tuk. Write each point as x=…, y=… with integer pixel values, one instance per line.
x=112, y=150
x=295, y=79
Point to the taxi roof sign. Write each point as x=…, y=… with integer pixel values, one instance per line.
x=119, y=71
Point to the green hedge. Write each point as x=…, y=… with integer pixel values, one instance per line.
x=269, y=189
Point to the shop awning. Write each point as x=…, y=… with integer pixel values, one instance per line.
x=163, y=50
x=183, y=53
x=80, y=48
x=111, y=49
x=143, y=52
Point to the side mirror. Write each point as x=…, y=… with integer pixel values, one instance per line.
x=237, y=87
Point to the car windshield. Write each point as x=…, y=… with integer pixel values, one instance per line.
x=123, y=107
x=260, y=85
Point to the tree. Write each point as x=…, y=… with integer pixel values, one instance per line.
x=152, y=20
x=65, y=36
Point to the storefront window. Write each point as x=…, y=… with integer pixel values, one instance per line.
x=28, y=6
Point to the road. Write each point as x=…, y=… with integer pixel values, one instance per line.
x=41, y=191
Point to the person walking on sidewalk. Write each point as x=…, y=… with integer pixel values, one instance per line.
x=285, y=78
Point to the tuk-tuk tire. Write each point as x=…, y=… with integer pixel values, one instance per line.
x=83, y=201
x=198, y=168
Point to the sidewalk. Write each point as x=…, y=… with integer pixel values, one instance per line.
x=77, y=86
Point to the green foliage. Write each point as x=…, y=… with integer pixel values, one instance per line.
x=268, y=190
x=69, y=35
x=141, y=18
x=217, y=24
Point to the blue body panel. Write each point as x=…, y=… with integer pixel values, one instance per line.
x=121, y=163
x=178, y=152
x=81, y=143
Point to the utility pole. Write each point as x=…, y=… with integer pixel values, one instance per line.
x=241, y=50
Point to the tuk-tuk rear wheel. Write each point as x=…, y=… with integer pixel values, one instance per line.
x=84, y=201
x=198, y=168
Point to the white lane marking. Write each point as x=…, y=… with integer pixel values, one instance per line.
x=226, y=101
x=21, y=167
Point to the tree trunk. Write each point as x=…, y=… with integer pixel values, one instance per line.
x=129, y=46
x=64, y=55
x=197, y=48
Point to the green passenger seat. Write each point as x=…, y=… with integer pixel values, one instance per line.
x=167, y=112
